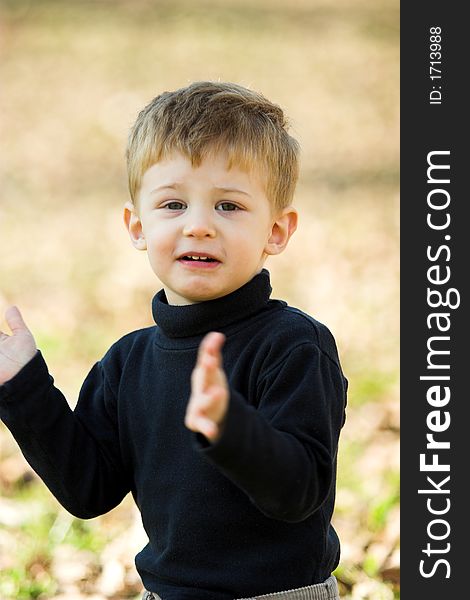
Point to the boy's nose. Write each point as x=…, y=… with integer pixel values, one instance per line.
x=199, y=225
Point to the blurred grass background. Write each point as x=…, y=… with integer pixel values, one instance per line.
x=73, y=77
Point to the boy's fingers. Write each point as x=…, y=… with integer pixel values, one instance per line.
x=202, y=403
x=205, y=374
x=198, y=378
x=211, y=343
x=209, y=362
x=216, y=341
x=209, y=358
x=210, y=349
x=15, y=320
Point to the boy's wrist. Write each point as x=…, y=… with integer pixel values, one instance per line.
x=31, y=376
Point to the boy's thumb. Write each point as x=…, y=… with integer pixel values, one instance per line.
x=15, y=320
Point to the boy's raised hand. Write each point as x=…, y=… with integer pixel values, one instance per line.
x=17, y=349
x=209, y=389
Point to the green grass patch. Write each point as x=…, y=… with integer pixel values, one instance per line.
x=370, y=386
x=379, y=511
x=23, y=583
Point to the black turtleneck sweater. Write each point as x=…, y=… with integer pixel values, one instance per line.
x=248, y=515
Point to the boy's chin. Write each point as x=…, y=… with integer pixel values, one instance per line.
x=184, y=297
x=199, y=289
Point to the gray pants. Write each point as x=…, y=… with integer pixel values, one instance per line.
x=328, y=590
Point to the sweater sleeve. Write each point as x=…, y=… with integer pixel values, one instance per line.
x=282, y=453
x=76, y=453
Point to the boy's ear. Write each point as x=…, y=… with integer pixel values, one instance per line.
x=134, y=226
x=283, y=227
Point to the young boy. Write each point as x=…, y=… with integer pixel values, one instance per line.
x=223, y=419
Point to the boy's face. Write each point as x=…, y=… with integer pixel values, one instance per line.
x=207, y=230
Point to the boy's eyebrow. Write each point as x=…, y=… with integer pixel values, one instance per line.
x=166, y=186
x=232, y=189
x=176, y=185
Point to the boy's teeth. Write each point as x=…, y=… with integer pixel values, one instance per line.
x=198, y=257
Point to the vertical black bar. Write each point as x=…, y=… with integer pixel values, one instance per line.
x=434, y=301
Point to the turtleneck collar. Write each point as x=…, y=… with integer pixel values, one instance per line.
x=195, y=319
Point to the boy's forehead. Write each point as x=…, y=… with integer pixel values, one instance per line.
x=221, y=170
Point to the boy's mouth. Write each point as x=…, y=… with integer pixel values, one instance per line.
x=199, y=260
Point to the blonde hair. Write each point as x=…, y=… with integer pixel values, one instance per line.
x=207, y=117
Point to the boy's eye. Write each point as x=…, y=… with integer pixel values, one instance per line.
x=174, y=205
x=225, y=206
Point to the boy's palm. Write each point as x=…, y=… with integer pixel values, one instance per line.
x=209, y=390
x=17, y=349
